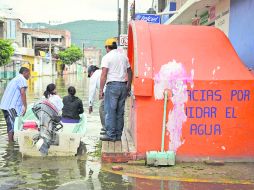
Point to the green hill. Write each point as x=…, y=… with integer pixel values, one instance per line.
x=90, y=32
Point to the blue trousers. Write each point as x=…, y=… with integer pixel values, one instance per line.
x=115, y=96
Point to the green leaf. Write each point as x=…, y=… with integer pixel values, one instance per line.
x=70, y=55
x=6, y=51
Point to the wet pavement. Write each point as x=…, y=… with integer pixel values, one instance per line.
x=85, y=171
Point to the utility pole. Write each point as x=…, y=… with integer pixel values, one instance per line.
x=50, y=45
x=83, y=49
x=119, y=20
x=125, y=17
x=132, y=10
x=50, y=54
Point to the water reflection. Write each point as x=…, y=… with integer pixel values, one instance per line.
x=139, y=183
x=50, y=172
x=10, y=160
x=104, y=180
x=44, y=173
x=81, y=172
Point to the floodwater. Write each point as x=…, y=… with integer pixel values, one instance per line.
x=81, y=172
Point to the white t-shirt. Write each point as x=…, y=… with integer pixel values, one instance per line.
x=56, y=101
x=94, y=85
x=117, y=64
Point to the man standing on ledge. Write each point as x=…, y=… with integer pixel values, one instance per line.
x=13, y=102
x=94, y=73
x=115, y=67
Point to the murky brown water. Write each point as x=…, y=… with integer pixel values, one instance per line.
x=52, y=173
x=66, y=173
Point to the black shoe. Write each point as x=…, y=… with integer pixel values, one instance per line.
x=106, y=138
x=103, y=129
x=119, y=138
x=103, y=133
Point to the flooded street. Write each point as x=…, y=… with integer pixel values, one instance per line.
x=51, y=173
x=81, y=172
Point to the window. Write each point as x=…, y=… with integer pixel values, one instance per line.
x=11, y=29
x=24, y=40
x=54, y=39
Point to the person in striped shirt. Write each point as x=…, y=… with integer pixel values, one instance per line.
x=13, y=102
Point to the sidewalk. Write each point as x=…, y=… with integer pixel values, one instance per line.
x=229, y=173
x=119, y=151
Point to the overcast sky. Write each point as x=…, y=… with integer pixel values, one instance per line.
x=66, y=10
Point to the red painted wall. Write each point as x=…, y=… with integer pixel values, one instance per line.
x=223, y=89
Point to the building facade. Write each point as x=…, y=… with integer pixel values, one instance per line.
x=8, y=30
x=41, y=39
x=232, y=17
x=31, y=47
x=92, y=56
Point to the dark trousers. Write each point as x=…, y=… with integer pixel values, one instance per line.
x=102, y=113
x=9, y=116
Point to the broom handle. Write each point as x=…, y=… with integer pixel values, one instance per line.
x=164, y=120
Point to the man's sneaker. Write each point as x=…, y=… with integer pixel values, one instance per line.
x=106, y=138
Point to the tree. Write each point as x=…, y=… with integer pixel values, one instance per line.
x=70, y=55
x=6, y=51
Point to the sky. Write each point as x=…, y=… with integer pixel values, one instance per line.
x=61, y=11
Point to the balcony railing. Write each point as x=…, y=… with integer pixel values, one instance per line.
x=24, y=51
x=47, y=43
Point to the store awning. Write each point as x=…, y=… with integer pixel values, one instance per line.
x=188, y=11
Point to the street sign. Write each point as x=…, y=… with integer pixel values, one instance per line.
x=123, y=40
x=148, y=17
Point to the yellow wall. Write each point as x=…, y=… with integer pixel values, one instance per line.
x=31, y=84
x=30, y=64
x=59, y=66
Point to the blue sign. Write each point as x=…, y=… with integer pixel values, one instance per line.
x=148, y=17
